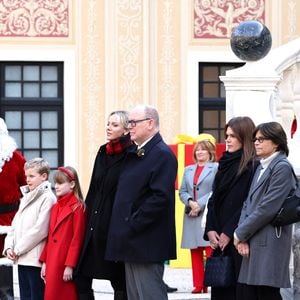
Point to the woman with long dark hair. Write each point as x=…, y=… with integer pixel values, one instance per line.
x=230, y=189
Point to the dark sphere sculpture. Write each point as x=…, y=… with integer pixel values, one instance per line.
x=251, y=41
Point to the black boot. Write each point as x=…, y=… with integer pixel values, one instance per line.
x=120, y=295
x=86, y=296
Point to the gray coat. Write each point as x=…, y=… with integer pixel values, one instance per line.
x=192, y=235
x=268, y=262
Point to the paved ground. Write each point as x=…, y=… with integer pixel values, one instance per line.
x=174, y=277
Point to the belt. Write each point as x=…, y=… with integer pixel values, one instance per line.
x=6, y=208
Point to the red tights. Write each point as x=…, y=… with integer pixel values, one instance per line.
x=197, y=256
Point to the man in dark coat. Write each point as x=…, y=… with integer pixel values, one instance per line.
x=142, y=228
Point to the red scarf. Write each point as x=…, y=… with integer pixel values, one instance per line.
x=119, y=145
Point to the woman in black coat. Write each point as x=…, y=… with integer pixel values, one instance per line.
x=99, y=203
x=230, y=189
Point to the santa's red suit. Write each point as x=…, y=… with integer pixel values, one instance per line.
x=12, y=176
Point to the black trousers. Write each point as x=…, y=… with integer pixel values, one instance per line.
x=30, y=283
x=259, y=292
x=85, y=291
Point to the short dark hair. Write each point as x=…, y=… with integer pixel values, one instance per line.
x=274, y=132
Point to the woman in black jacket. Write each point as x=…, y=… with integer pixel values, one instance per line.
x=230, y=189
x=99, y=202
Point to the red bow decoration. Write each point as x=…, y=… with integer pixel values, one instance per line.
x=294, y=126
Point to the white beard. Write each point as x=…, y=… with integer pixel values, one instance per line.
x=7, y=148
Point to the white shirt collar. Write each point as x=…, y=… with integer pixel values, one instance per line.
x=266, y=161
x=143, y=144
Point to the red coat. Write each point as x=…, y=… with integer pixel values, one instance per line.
x=12, y=177
x=66, y=231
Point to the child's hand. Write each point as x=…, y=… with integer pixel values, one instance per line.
x=43, y=272
x=11, y=254
x=68, y=273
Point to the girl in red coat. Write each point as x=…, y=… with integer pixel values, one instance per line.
x=66, y=231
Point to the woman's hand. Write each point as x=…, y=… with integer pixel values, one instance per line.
x=68, y=273
x=223, y=241
x=195, y=208
x=213, y=239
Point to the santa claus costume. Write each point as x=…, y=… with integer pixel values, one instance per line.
x=12, y=176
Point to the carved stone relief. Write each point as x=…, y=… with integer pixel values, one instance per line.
x=34, y=18
x=130, y=30
x=168, y=63
x=217, y=18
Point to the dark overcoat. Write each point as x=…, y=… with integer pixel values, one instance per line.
x=142, y=226
x=99, y=202
x=223, y=216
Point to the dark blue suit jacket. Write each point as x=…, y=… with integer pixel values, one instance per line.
x=142, y=227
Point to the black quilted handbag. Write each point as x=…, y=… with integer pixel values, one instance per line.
x=289, y=212
x=219, y=271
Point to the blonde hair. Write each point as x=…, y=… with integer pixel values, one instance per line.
x=123, y=115
x=60, y=177
x=39, y=164
x=205, y=145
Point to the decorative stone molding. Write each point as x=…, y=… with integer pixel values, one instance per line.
x=168, y=63
x=130, y=48
x=217, y=19
x=92, y=82
x=292, y=19
x=34, y=18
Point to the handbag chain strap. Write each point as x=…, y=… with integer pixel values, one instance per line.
x=278, y=229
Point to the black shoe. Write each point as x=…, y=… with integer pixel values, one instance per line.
x=171, y=289
x=120, y=295
x=85, y=296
